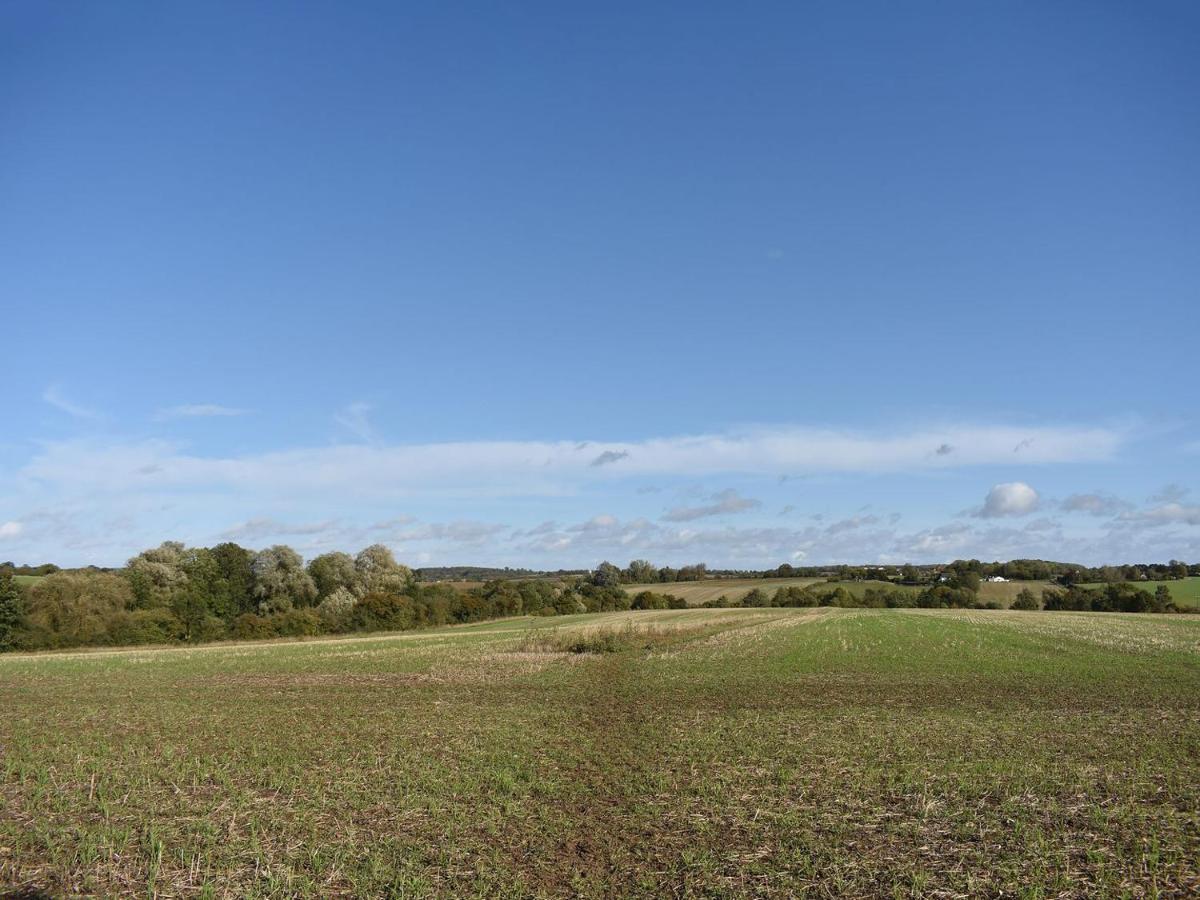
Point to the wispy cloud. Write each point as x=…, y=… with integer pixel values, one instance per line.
x=608, y=457
x=851, y=524
x=1170, y=493
x=54, y=396
x=266, y=527
x=10, y=530
x=723, y=503
x=198, y=410
x=1097, y=504
x=1166, y=514
x=460, y=532
x=355, y=418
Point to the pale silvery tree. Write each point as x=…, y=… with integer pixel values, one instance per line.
x=379, y=571
x=156, y=573
x=336, y=607
x=280, y=581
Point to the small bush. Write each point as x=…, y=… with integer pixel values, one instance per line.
x=601, y=642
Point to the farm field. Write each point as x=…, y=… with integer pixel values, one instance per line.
x=1184, y=592
x=27, y=580
x=714, y=752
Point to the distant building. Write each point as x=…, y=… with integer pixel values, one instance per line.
x=996, y=578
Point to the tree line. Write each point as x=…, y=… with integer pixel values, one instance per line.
x=640, y=571
x=178, y=594
x=1118, y=597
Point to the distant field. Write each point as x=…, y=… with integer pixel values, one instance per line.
x=27, y=580
x=1005, y=592
x=1185, y=592
x=696, y=593
x=713, y=753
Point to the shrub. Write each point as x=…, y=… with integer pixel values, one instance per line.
x=394, y=612
x=75, y=609
x=148, y=626
x=651, y=600
x=296, y=623
x=250, y=626
x=600, y=642
x=1025, y=600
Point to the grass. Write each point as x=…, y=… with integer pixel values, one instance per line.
x=27, y=580
x=767, y=753
x=1184, y=592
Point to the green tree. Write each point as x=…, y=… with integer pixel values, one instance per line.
x=10, y=610
x=236, y=579
x=642, y=572
x=756, y=597
x=1162, y=598
x=1026, y=600
x=606, y=575
x=333, y=572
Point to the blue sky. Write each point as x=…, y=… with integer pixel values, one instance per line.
x=546, y=284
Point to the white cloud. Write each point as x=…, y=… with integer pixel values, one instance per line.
x=198, y=410
x=1014, y=498
x=10, y=529
x=54, y=396
x=532, y=467
x=293, y=495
